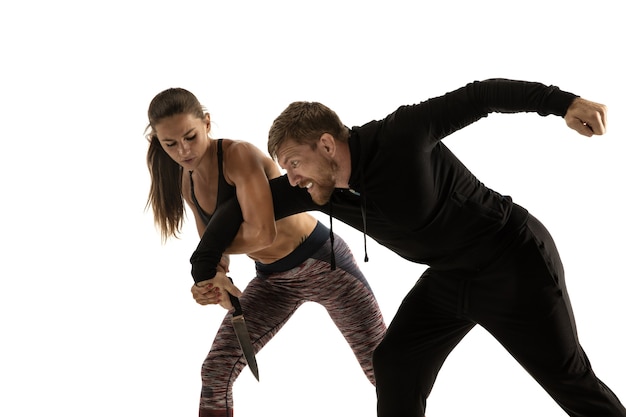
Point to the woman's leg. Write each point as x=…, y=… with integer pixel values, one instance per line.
x=351, y=304
x=267, y=308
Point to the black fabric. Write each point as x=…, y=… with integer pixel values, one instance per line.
x=206, y=217
x=225, y=193
x=443, y=216
x=491, y=263
x=521, y=300
x=314, y=241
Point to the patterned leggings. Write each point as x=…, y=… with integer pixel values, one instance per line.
x=270, y=300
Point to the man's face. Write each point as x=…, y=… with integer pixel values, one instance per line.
x=308, y=168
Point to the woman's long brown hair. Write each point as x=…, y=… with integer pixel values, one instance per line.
x=165, y=196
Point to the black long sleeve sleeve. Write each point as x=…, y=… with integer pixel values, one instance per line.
x=227, y=219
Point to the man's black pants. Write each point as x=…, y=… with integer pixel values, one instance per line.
x=521, y=299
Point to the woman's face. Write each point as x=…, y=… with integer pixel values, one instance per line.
x=185, y=138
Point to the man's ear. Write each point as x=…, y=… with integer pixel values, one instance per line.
x=327, y=144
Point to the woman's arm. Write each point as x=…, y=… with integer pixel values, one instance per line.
x=227, y=219
x=248, y=170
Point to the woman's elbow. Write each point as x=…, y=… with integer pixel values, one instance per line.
x=260, y=236
x=267, y=236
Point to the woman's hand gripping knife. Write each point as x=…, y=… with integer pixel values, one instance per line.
x=216, y=289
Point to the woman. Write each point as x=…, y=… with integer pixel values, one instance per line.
x=291, y=255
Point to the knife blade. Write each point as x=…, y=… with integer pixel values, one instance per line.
x=241, y=330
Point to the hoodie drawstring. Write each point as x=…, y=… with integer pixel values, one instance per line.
x=332, y=239
x=364, y=217
x=332, y=236
x=362, y=195
x=364, y=214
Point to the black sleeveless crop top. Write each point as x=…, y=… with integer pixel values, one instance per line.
x=225, y=191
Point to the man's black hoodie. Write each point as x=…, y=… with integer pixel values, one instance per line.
x=407, y=189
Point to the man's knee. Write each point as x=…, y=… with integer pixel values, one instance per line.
x=387, y=356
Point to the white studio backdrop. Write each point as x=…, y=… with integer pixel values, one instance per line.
x=96, y=316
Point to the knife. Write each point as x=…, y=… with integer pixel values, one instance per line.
x=239, y=324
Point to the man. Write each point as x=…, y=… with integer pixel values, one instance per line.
x=490, y=262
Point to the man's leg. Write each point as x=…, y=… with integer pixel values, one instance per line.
x=424, y=331
x=525, y=305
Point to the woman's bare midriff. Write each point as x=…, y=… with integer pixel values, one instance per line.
x=290, y=233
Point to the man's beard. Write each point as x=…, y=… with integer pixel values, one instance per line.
x=322, y=194
x=325, y=186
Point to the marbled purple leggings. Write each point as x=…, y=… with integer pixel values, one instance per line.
x=271, y=298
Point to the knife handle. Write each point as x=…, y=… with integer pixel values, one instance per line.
x=235, y=302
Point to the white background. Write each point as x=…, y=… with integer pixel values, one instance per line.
x=96, y=317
